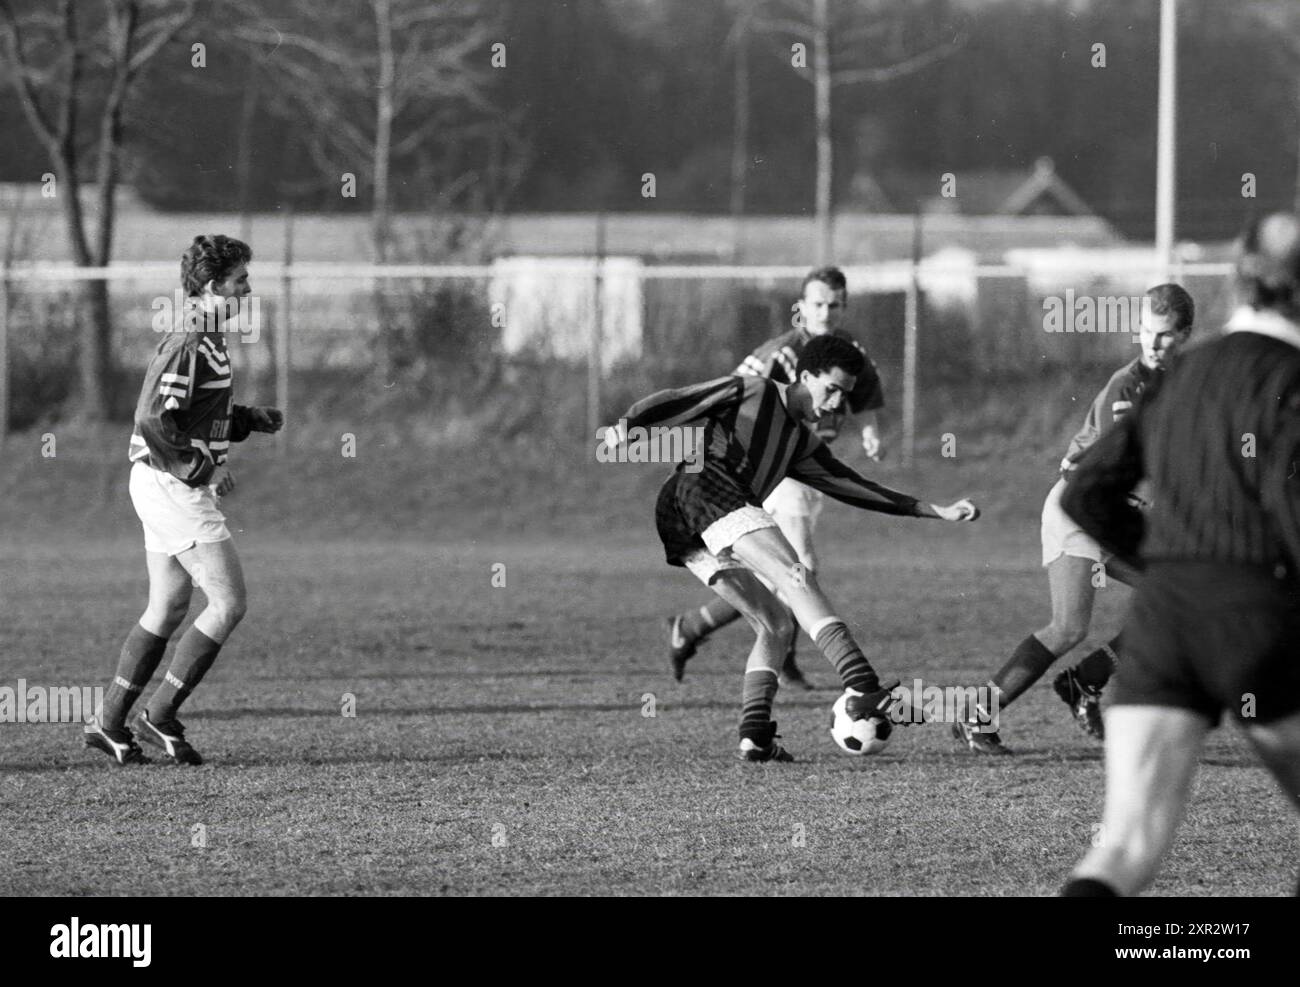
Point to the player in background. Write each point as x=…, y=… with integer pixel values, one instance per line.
x=1214, y=623
x=793, y=505
x=756, y=432
x=1071, y=557
x=185, y=421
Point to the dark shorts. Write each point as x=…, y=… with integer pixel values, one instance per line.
x=1211, y=637
x=690, y=502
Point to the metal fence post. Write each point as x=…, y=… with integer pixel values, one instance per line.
x=4, y=349
x=283, y=330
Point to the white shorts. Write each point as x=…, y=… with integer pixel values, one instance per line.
x=794, y=498
x=1062, y=536
x=175, y=516
x=718, y=538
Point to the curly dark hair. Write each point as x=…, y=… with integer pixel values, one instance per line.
x=823, y=352
x=211, y=258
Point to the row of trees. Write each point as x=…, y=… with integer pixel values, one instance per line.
x=740, y=105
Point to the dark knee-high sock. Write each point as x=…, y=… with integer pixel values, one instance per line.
x=708, y=618
x=759, y=691
x=141, y=653
x=1025, y=667
x=1087, y=887
x=836, y=643
x=1095, y=670
x=194, y=656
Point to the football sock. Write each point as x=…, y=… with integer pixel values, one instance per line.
x=194, y=656
x=837, y=644
x=760, y=689
x=1087, y=887
x=1095, y=670
x=141, y=653
x=708, y=618
x=1025, y=667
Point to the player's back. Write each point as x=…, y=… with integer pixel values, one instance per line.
x=1220, y=444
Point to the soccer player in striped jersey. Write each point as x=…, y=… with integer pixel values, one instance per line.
x=793, y=505
x=185, y=421
x=1071, y=557
x=756, y=432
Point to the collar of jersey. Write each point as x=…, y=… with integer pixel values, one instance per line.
x=1247, y=319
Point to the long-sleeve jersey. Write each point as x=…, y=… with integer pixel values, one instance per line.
x=1219, y=443
x=186, y=417
x=1111, y=404
x=751, y=436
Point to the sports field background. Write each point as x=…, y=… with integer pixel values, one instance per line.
x=499, y=743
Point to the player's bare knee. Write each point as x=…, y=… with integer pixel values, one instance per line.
x=1066, y=634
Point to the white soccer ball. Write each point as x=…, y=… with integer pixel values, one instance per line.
x=869, y=736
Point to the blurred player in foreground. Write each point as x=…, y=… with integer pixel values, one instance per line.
x=756, y=432
x=184, y=423
x=1074, y=560
x=1215, y=620
x=794, y=506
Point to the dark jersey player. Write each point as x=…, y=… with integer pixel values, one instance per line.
x=756, y=433
x=1072, y=558
x=1214, y=624
x=184, y=423
x=794, y=506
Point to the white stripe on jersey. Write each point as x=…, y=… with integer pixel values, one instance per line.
x=215, y=384
x=788, y=360
x=174, y=379
x=171, y=390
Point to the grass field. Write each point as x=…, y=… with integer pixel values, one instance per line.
x=499, y=744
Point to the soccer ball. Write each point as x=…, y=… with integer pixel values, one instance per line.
x=869, y=736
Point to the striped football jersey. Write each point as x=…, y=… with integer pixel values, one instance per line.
x=1111, y=404
x=186, y=417
x=752, y=437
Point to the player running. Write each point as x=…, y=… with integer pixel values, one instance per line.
x=1214, y=624
x=794, y=506
x=1070, y=556
x=185, y=421
x=712, y=522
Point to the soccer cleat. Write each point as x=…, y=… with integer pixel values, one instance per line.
x=1084, y=703
x=880, y=704
x=168, y=735
x=979, y=741
x=792, y=675
x=680, y=647
x=763, y=747
x=120, y=745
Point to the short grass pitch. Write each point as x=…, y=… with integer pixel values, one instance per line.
x=500, y=743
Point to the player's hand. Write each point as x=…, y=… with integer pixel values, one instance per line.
x=616, y=435
x=266, y=419
x=222, y=481
x=962, y=510
x=871, y=444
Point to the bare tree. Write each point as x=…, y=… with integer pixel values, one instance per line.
x=382, y=83
x=848, y=43
x=61, y=65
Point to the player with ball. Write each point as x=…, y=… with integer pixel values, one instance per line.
x=711, y=521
